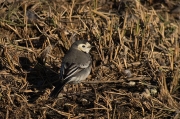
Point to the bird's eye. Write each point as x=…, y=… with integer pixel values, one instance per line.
x=83, y=46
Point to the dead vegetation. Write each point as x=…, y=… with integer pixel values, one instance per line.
x=135, y=59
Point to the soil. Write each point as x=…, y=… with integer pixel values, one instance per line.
x=136, y=59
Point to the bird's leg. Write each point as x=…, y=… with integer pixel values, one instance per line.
x=75, y=87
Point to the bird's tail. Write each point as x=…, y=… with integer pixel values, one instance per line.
x=58, y=89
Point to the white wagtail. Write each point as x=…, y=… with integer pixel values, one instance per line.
x=76, y=65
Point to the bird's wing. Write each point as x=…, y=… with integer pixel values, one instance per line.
x=68, y=70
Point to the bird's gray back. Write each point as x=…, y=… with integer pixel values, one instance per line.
x=78, y=57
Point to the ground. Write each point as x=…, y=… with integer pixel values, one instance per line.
x=136, y=59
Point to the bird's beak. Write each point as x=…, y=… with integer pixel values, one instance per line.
x=90, y=46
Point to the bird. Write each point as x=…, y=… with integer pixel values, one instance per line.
x=75, y=67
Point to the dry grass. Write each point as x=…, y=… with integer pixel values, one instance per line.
x=135, y=60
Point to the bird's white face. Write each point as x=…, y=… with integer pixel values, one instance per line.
x=85, y=47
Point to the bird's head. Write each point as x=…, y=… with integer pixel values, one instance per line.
x=82, y=45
